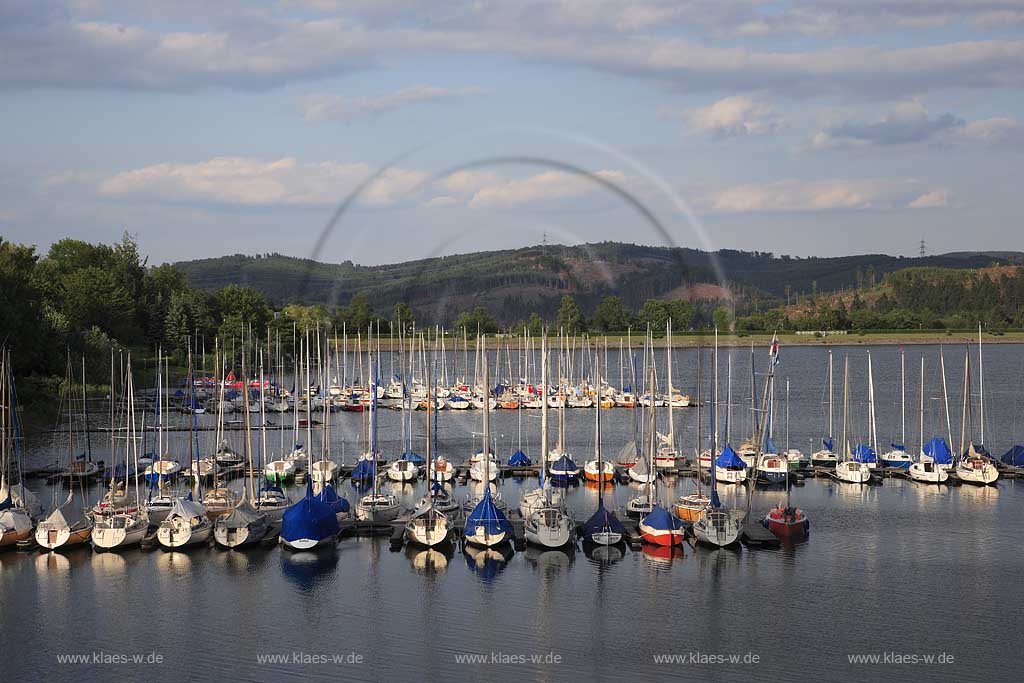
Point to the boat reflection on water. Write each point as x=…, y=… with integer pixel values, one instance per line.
x=244, y=560
x=973, y=495
x=307, y=569
x=550, y=560
x=174, y=564
x=108, y=565
x=661, y=556
x=487, y=562
x=430, y=560
x=604, y=555
x=52, y=565
x=60, y=562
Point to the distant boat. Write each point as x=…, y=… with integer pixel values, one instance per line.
x=730, y=467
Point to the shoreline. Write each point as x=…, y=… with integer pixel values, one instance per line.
x=692, y=340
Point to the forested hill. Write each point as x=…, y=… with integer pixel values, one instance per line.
x=514, y=283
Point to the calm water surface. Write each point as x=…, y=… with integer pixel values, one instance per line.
x=900, y=568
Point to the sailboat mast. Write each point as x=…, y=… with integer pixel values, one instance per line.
x=544, y=406
x=671, y=394
x=945, y=398
x=831, y=393
x=921, y=417
x=846, y=397
x=903, y=398
x=981, y=388
x=487, y=413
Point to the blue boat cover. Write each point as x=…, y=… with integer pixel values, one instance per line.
x=864, y=453
x=487, y=515
x=1014, y=457
x=519, y=459
x=769, y=445
x=329, y=496
x=414, y=458
x=898, y=447
x=601, y=520
x=828, y=444
x=363, y=470
x=661, y=519
x=938, y=451
x=309, y=518
x=563, y=464
x=728, y=458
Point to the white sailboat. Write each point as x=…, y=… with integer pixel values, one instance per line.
x=926, y=471
x=56, y=531
x=548, y=524
x=429, y=526
x=378, y=507
x=124, y=524
x=244, y=525
x=717, y=527
x=972, y=467
x=849, y=471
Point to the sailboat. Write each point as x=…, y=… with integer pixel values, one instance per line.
x=691, y=506
x=561, y=467
x=428, y=526
x=15, y=518
x=55, y=531
x=187, y=523
x=309, y=523
x=377, y=507
x=928, y=471
x=785, y=521
x=973, y=467
x=603, y=527
x=718, y=527
x=729, y=466
x=244, y=525
x=898, y=457
x=826, y=456
x=121, y=523
x=543, y=495
x=667, y=454
x=849, y=471
x=486, y=525
x=659, y=526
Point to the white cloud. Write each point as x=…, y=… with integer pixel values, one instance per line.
x=248, y=181
x=792, y=195
x=931, y=200
x=734, y=116
x=322, y=106
x=994, y=130
x=262, y=49
x=540, y=187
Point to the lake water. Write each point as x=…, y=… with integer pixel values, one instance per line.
x=889, y=571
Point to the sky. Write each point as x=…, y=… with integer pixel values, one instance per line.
x=379, y=131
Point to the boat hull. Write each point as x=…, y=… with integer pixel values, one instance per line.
x=485, y=540
x=54, y=538
x=661, y=536
x=177, y=533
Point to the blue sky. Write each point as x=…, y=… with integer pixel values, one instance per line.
x=834, y=127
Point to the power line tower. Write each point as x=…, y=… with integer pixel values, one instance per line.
x=922, y=251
